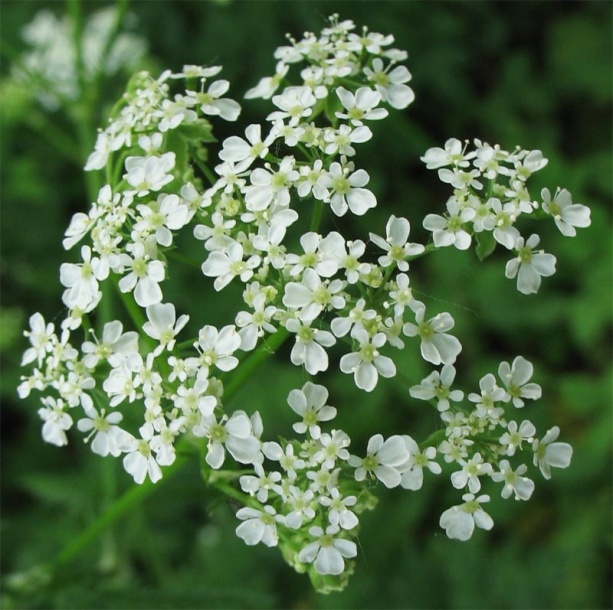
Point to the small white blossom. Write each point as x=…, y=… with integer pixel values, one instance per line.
x=326, y=553
x=361, y=106
x=513, y=438
x=436, y=345
x=459, y=521
x=310, y=404
x=548, y=454
x=438, y=385
x=529, y=265
x=259, y=526
x=383, y=458
x=396, y=244
x=367, y=363
x=308, y=350
x=163, y=325
x=567, y=215
x=514, y=482
x=56, y=419
x=515, y=378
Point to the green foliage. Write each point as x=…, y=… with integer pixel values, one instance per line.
x=534, y=74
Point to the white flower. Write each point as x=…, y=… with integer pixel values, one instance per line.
x=338, y=509
x=308, y=348
x=310, y=404
x=144, y=277
x=195, y=400
x=504, y=218
x=413, y=471
x=357, y=316
x=139, y=460
x=327, y=552
x=215, y=237
x=515, y=378
x=163, y=325
x=529, y=265
x=340, y=140
x=269, y=84
x=296, y=103
x=347, y=191
x=212, y=104
x=383, y=458
x=234, y=434
x=436, y=345
x=114, y=346
x=548, y=454
x=312, y=296
x=216, y=348
x=108, y=436
x=460, y=179
x=513, y=438
x=459, y=521
x=438, y=385
x=149, y=173
x=253, y=325
x=489, y=396
x=514, y=483
x=567, y=215
x=302, y=503
x=322, y=255
x=452, y=154
x=390, y=83
x=42, y=338
x=225, y=266
x=448, y=230
x=260, y=484
x=57, y=421
x=333, y=448
x=396, y=244
x=367, y=363
x=122, y=382
x=82, y=280
x=245, y=152
x=470, y=473
x=161, y=217
x=270, y=187
x=361, y=106
x=259, y=526
x=286, y=458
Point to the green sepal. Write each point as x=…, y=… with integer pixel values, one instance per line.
x=486, y=244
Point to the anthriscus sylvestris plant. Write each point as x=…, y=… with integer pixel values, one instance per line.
x=138, y=391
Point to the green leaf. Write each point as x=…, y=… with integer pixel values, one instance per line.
x=486, y=244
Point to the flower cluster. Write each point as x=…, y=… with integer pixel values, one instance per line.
x=319, y=291
x=489, y=196
x=50, y=67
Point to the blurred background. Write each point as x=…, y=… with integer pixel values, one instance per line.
x=534, y=74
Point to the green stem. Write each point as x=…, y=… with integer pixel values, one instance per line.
x=133, y=497
x=318, y=209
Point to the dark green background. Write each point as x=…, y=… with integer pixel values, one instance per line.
x=535, y=74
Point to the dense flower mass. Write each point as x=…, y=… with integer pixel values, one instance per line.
x=320, y=292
